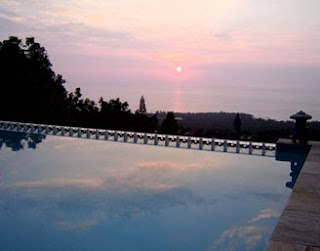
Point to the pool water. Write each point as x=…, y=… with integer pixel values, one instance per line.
x=61, y=193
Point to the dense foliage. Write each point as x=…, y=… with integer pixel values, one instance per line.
x=32, y=92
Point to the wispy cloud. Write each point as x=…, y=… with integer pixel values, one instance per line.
x=166, y=166
x=60, y=182
x=220, y=31
x=237, y=238
x=247, y=236
x=76, y=225
x=95, y=200
x=265, y=214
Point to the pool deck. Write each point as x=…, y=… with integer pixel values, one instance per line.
x=298, y=228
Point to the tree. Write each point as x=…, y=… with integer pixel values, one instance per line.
x=14, y=74
x=169, y=124
x=237, y=125
x=30, y=90
x=117, y=106
x=142, y=106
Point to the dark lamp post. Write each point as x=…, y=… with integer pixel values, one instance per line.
x=300, y=132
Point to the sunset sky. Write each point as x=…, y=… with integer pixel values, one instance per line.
x=121, y=48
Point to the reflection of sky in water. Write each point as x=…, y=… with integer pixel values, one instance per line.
x=94, y=195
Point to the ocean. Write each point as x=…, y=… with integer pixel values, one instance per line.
x=274, y=92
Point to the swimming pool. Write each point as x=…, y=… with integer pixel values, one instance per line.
x=61, y=193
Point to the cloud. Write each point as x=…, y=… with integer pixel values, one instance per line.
x=238, y=238
x=142, y=178
x=265, y=214
x=166, y=166
x=83, y=31
x=222, y=36
x=79, y=225
x=61, y=182
x=141, y=27
x=10, y=27
x=247, y=236
x=95, y=194
x=121, y=183
x=81, y=204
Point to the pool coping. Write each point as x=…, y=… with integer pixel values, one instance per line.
x=298, y=227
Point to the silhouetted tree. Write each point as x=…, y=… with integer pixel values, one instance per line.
x=117, y=106
x=237, y=125
x=169, y=124
x=153, y=123
x=142, y=106
x=30, y=90
x=115, y=115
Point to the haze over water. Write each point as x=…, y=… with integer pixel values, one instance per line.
x=259, y=57
x=266, y=92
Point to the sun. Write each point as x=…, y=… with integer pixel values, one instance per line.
x=179, y=69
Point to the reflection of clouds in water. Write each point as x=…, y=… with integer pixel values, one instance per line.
x=80, y=225
x=245, y=237
x=90, y=184
x=8, y=168
x=265, y=214
x=165, y=166
x=78, y=204
x=79, y=145
x=152, y=176
x=120, y=183
x=79, y=201
x=4, y=151
x=60, y=182
x=61, y=143
x=143, y=175
x=239, y=238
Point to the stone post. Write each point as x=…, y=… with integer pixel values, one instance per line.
x=300, y=131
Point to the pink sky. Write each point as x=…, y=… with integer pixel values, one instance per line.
x=104, y=46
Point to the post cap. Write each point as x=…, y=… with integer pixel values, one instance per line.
x=301, y=116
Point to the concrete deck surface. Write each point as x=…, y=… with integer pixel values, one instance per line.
x=298, y=227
